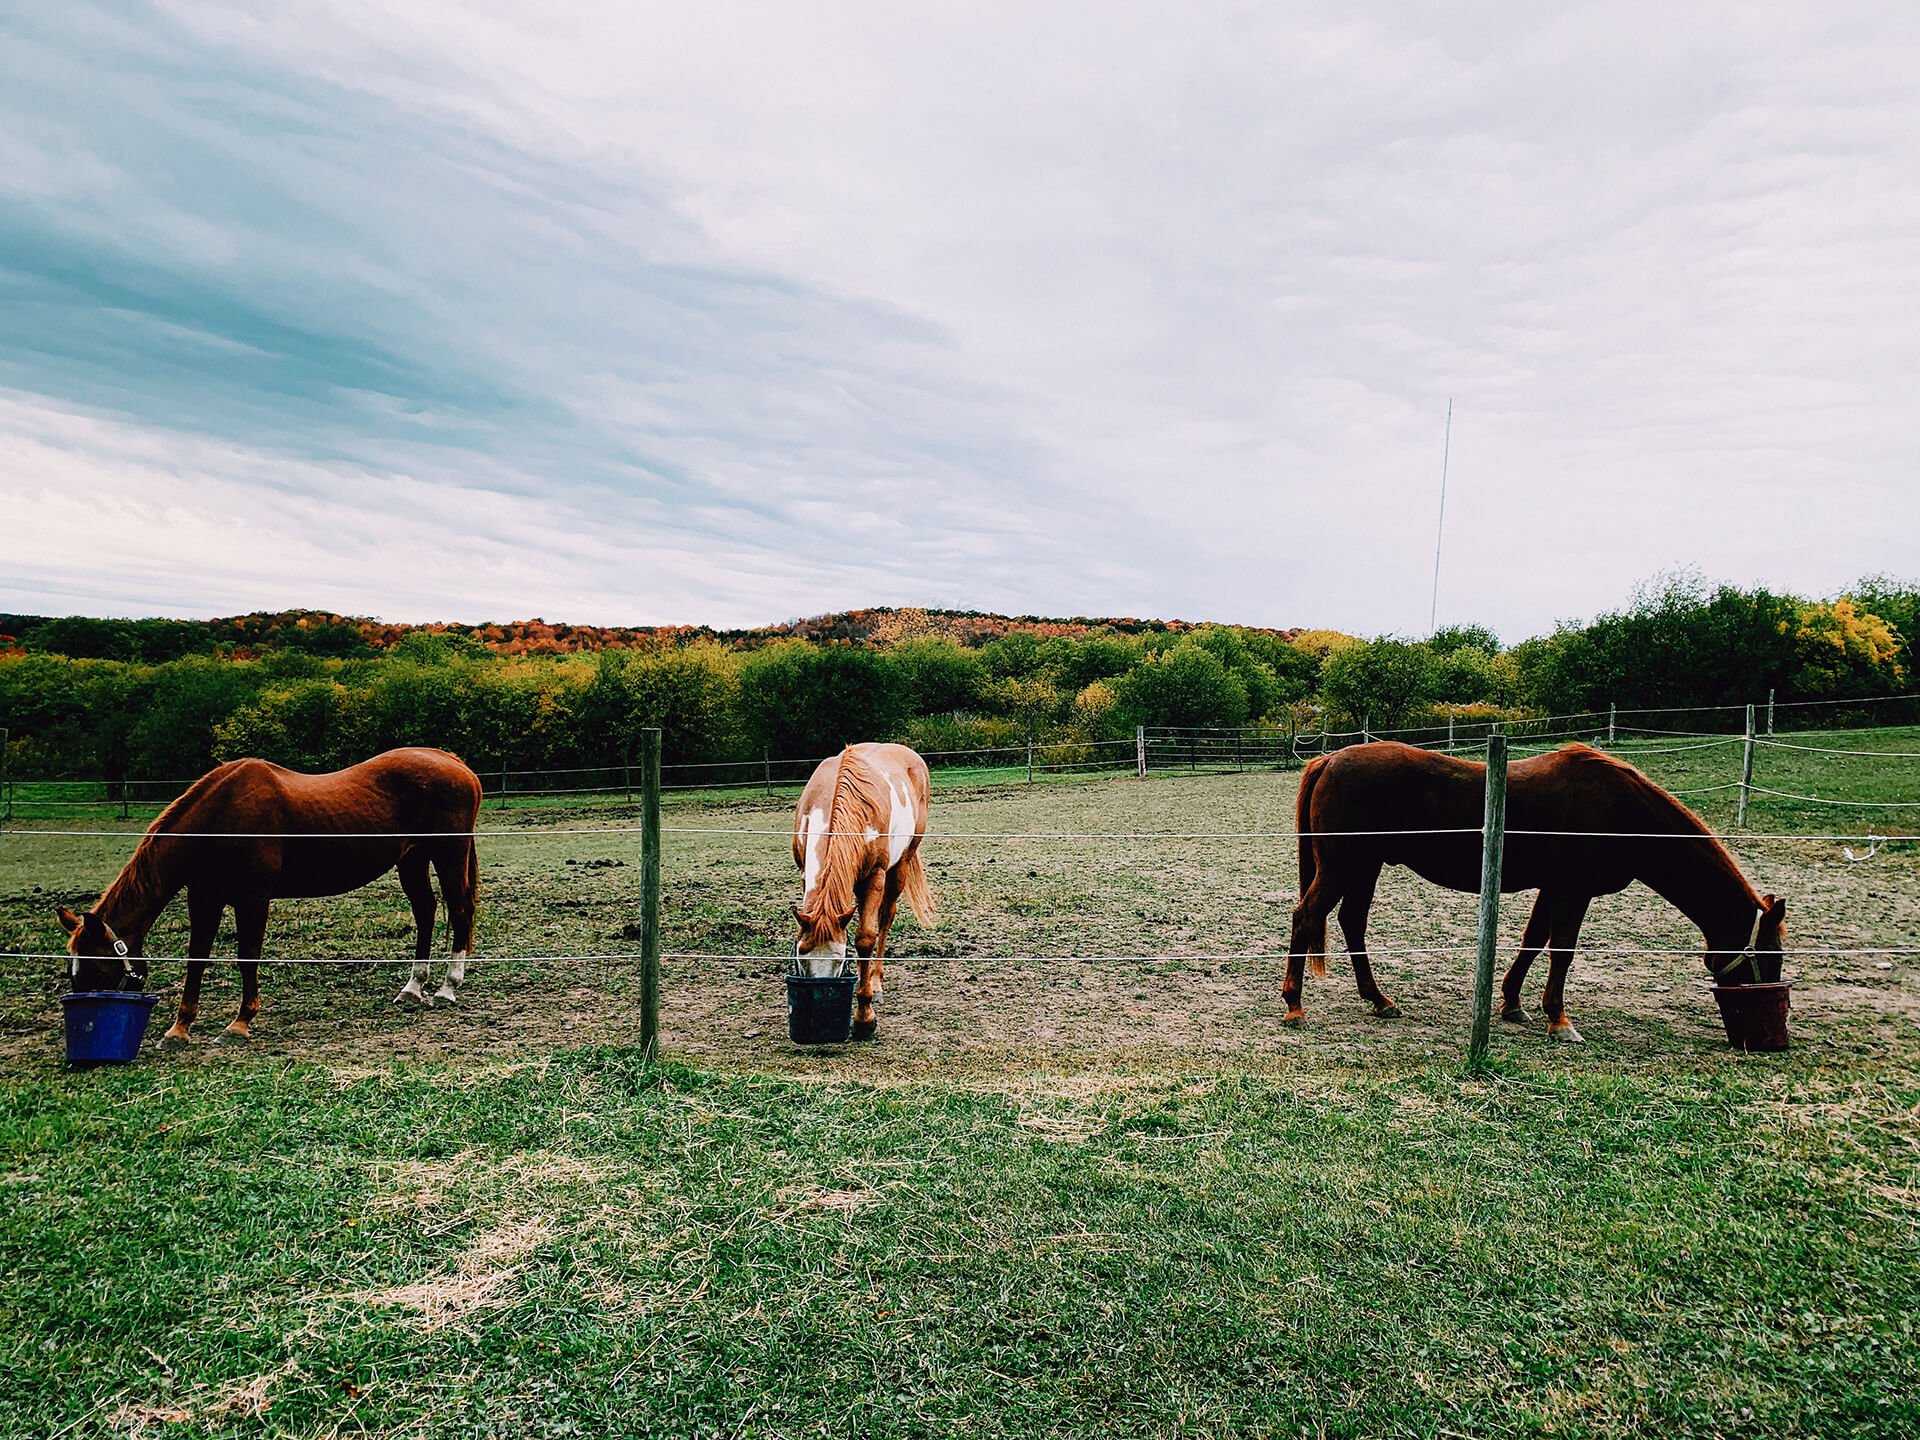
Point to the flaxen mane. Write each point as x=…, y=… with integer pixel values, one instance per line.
x=857, y=795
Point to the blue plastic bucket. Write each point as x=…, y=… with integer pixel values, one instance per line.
x=104, y=1026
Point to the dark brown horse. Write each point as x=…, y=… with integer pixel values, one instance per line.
x=1613, y=826
x=250, y=833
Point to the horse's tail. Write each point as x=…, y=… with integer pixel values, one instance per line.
x=913, y=887
x=1316, y=941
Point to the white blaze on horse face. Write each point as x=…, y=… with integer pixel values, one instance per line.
x=900, y=827
x=822, y=964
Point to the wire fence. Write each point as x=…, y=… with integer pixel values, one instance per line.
x=1152, y=750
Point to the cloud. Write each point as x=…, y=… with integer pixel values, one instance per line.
x=730, y=313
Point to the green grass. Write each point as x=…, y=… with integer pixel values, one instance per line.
x=1068, y=1199
x=580, y=1247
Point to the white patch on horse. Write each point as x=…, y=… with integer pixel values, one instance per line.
x=448, y=993
x=901, y=827
x=813, y=830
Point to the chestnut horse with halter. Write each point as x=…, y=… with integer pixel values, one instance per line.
x=1579, y=824
x=249, y=833
x=856, y=841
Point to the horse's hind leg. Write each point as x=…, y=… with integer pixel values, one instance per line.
x=1308, y=941
x=412, y=871
x=250, y=937
x=1532, y=941
x=1568, y=914
x=459, y=875
x=1353, y=925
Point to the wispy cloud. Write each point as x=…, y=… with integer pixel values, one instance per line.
x=731, y=313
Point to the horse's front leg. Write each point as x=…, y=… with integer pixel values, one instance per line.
x=867, y=942
x=1353, y=925
x=1532, y=941
x=250, y=937
x=1568, y=914
x=203, y=928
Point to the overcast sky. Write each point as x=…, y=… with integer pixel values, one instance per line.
x=712, y=313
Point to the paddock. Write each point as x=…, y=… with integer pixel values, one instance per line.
x=1099, y=1180
x=1102, y=920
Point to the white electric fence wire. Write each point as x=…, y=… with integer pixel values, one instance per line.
x=1826, y=750
x=536, y=832
x=1375, y=951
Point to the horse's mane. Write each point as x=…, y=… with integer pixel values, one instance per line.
x=857, y=793
x=141, y=888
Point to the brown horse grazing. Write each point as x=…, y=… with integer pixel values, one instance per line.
x=1605, y=806
x=249, y=833
x=856, y=840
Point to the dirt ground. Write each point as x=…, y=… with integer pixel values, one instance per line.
x=1106, y=915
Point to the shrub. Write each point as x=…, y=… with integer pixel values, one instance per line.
x=1184, y=685
x=1382, y=682
x=803, y=703
x=941, y=675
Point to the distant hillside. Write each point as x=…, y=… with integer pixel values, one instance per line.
x=323, y=633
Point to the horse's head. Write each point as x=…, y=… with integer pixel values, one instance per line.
x=1758, y=959
x=822, y=941
x=101, y=959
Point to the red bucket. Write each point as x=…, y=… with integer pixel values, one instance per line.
x=1755, y=1015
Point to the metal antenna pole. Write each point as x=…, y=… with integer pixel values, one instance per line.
x=1439, y=529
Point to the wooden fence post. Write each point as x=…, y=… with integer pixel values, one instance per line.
x=650, y=894
x=1746, y=772
x=1770, y=694
x=1029, y=759
x=1493, y=833
x=1612, y=714
x=1140, y=749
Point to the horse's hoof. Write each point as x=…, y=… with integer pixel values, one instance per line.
x=1516, y=1016
x=1566, y=1034
x=1388, y=1011
x=441, y=999
x=233, y=1037
x=1294, y=1019
x=410, y=999
x=174, y=1042
x=863, y=1029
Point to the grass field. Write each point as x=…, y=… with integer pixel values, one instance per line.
x=1066, y=1196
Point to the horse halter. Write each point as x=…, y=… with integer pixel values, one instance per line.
x=121, y=953
x=1746, y=956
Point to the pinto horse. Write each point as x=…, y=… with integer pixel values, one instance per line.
x=856, y=841
x=249, y=833
x=1579, y=824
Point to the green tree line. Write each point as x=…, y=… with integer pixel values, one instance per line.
x=325, y=703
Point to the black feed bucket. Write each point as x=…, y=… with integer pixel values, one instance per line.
x=820, y=1008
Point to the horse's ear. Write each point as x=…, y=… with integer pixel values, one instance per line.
x=796, y=912
x=68, y=919
x=1776, y=908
